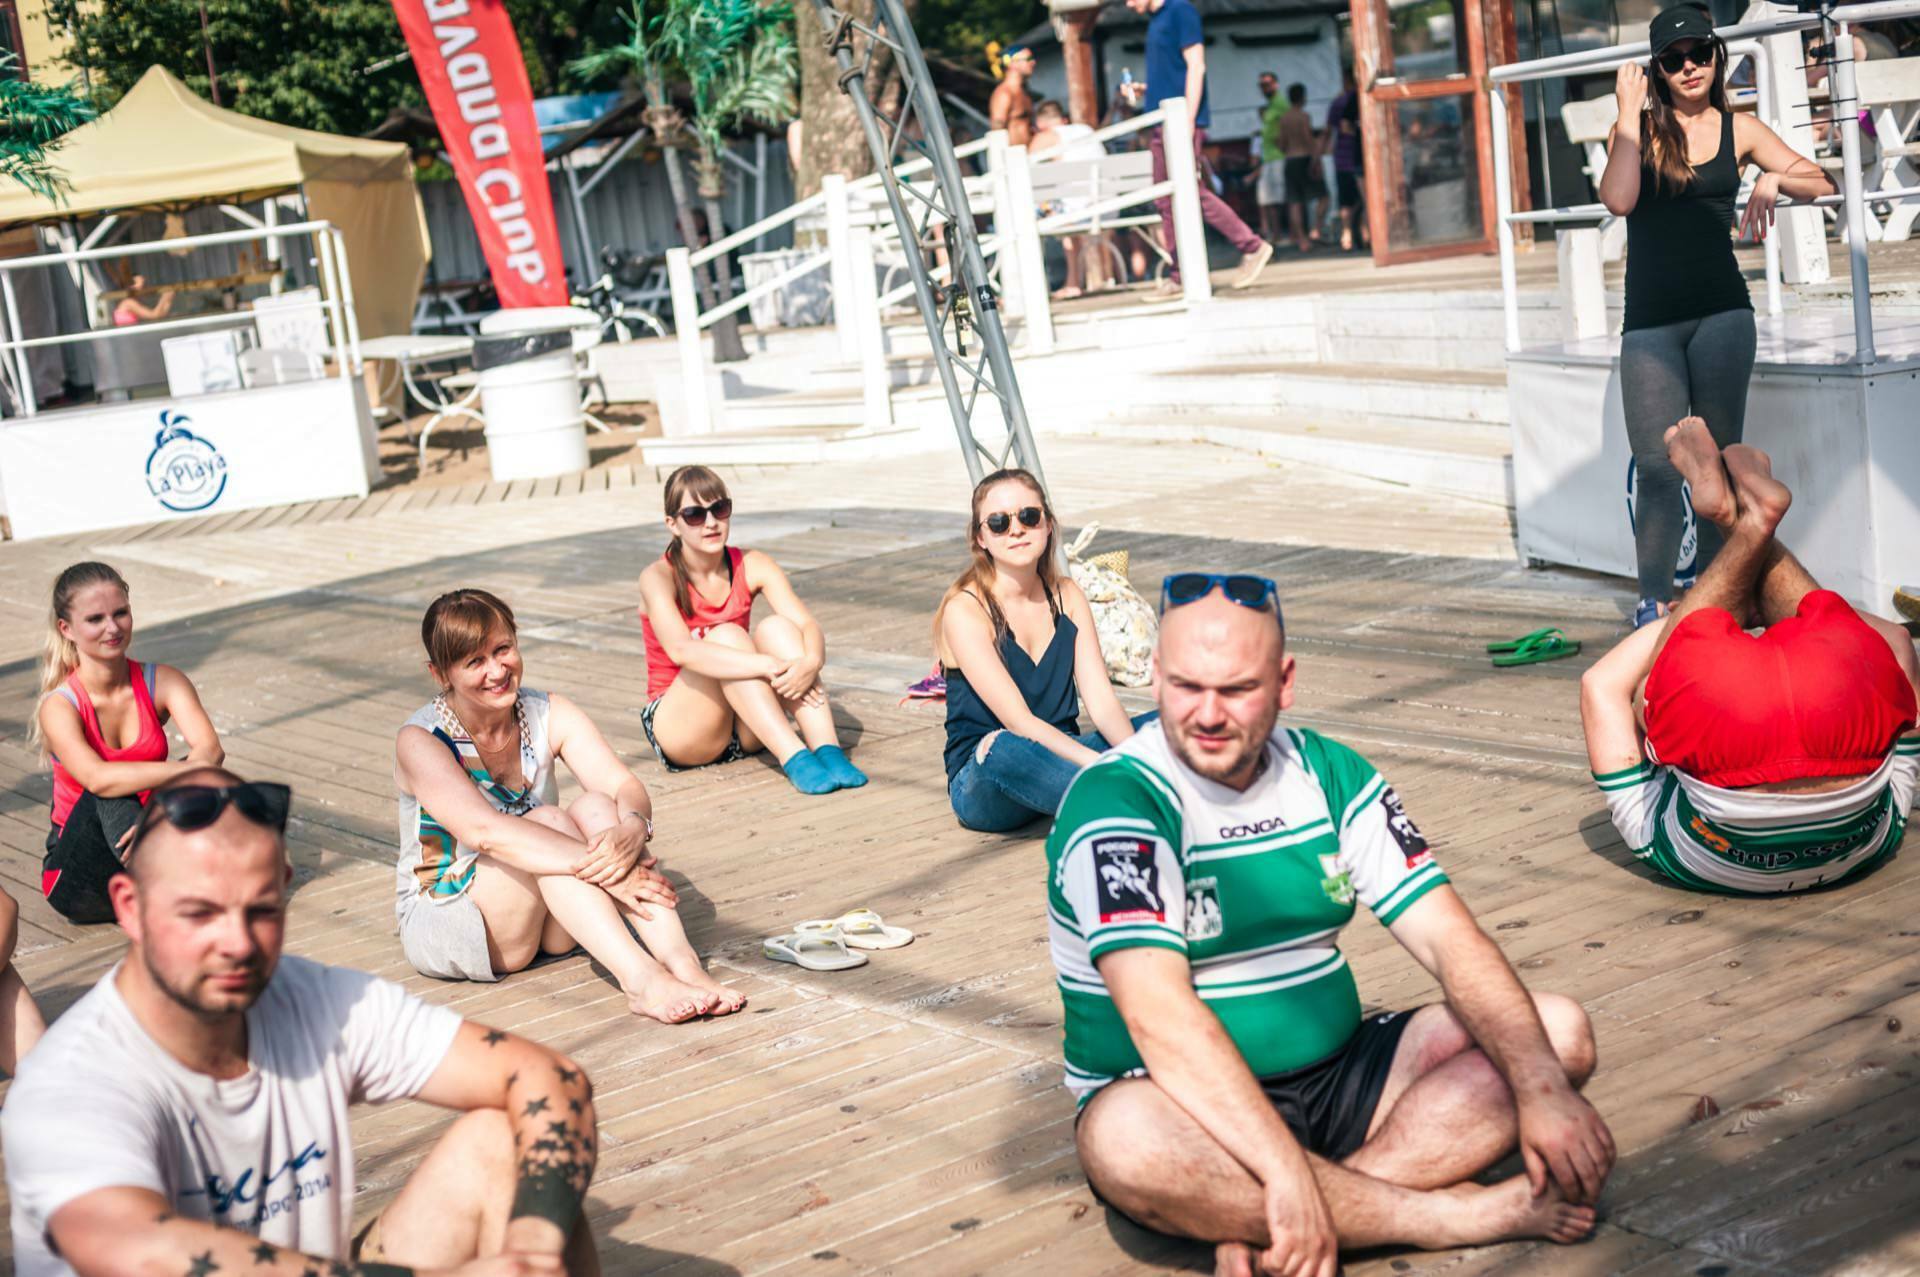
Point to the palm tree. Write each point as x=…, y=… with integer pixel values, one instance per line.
x=741, y=66
x=33, y=118
x=648, y=56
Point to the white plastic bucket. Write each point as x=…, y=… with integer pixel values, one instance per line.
x=534, y=425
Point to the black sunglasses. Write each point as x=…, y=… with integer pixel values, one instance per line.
x=999, y=521
x=1673, y=61
x=192, y=807
x=1253, y=592
x=695, y=516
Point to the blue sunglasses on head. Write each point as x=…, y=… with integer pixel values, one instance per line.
x=1253, y=592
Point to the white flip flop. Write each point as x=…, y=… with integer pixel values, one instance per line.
x=815, y=948
x=865, y=929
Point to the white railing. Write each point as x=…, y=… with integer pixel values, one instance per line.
x=330, y=251
x=859, y=230
x=1745, y=37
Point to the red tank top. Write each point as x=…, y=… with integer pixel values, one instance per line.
x=735, y=609
x=150, y=746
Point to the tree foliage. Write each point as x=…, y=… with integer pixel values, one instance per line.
x=33, y=117
x=303, y=62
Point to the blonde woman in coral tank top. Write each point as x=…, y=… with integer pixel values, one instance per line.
x=718, y=686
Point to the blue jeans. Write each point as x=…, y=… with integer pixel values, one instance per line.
x=1020, y=781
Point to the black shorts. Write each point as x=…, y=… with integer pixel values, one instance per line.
x=1348, y=185
x=1303, y=179
x=1329, y=1104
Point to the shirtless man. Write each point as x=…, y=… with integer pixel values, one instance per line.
x=189, y=1115
x=1011, y=107
x=1231, y=1089
x=1721, y=771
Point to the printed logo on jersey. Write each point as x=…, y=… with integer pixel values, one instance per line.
x=1337, y=884
x=1128, y=880
x=1266, y=826
x=1204, y=920
x=1413, y=844
x=1705, y=834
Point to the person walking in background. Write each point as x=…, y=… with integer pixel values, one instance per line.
x=1272, y=188
x=1306, y=189
x=1177, y=68
x=1341, y=139
x=1673, y=171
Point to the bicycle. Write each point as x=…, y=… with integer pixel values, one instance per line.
x=605, y=298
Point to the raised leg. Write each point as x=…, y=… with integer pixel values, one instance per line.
x=21, y=1023
x=663, y=934
x=1719, y=371
x=519, y=907
x=1155, y=1163
x=780, y=638
x=456, y=1204
x=1759, y=503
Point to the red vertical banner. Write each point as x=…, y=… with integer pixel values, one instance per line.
x=476, y=82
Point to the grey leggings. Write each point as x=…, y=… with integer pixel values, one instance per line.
x=1699, y=367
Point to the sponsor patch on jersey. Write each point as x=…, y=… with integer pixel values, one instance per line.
x=1251, y=829
x=1129, y=887
x=1338, y=883
x=1413, y=844
x=1204, y=919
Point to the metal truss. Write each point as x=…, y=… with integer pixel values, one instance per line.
x=930, y=210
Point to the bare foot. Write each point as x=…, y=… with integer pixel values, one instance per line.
x=670, y=1001
x=1763, y=498
x=1233, y=1259
x=690, y=972
x=1509, y=1211
x=1697, y=457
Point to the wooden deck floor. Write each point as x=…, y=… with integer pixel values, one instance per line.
x=908, y=1116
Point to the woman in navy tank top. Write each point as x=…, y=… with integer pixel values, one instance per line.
x=1017, y=643
x=1687, y=346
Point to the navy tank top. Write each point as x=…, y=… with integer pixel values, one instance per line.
x=1680, y=262
x=1046, y=685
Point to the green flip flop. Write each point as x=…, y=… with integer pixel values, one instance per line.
x=1547, y=645
x=1514, y=645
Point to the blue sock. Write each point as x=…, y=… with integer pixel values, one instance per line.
x=840, y=767
x=808, y=774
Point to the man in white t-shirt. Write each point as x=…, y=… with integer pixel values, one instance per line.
x=189, y=1114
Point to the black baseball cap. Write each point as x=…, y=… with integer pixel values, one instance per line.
x=1680, y=22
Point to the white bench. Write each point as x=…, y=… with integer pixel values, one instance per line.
x=1588, y=123
x=1061, y=188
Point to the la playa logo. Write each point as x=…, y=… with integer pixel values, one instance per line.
x=184, y=471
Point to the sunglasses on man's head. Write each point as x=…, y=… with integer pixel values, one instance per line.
x=695, y=516
x=1674, y=61
x=1253, y=592
x=192, y=807
x=999, y=521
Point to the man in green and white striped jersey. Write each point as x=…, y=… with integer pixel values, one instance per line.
x=1754, y=764
x=1231, y=1090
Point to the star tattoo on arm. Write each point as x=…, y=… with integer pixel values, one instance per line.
x=536, y=1105
x=494, y=1037
x=556, y=1163
x=264, y=1253
x=202, y=1265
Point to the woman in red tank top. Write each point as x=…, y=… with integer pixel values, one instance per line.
x=718, y=686
x=102, y=719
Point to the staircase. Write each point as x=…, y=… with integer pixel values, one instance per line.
x=1404, y=386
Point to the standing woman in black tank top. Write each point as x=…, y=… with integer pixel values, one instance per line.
x=1673, y=171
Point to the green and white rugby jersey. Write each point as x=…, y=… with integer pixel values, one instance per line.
x=1747, y=842
x=1252, y=887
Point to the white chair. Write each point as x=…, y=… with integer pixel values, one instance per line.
x=587, y=335
x=1890, y=90
x=1587, y=124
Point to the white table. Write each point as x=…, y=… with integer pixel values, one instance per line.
x=412, y=351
